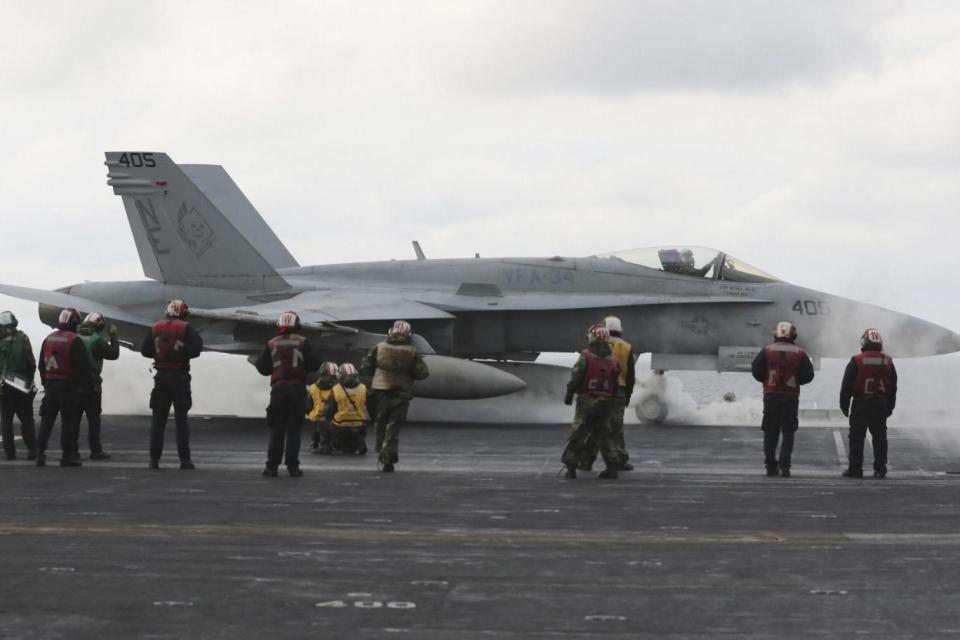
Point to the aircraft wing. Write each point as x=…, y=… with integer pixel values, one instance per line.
x=84, y=305
x=324, y=310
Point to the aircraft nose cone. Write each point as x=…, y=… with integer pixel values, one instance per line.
x=921, y=338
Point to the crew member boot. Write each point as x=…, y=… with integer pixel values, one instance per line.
x=571, y=473
x=610, y=473
x=772, y=470
x=853, y=473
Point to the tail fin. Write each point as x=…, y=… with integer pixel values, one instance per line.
x=181, y=234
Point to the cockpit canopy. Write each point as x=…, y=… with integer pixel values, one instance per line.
x=698, y=262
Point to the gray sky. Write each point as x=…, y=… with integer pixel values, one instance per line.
x=819, y=141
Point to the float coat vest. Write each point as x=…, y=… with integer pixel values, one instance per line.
x=57, y=363
x=351, y=405
x=395, y=363
x=169, y=354
x=600, y=379
x=88, y=340
x=319, y=398
x=621, y=352
x=286, y=351
x=783, y=368
x=873, y=374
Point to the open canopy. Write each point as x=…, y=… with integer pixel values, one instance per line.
x=698, y=262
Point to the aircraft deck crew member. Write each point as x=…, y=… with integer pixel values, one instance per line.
x=623, y=352
x=172, y=343
x=287, y=359
x=594, y=382
x=782, y=367
x=346, y=412
x=18, y=365
x=394, y=365
x=319, y=391
x=870, y=380
x=91, y=335
x=65, y=369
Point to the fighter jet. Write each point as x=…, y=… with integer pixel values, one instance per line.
x=199, y=239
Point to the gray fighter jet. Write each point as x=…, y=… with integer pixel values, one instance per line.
x=201, y=240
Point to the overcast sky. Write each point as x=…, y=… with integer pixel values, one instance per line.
x=819, y=141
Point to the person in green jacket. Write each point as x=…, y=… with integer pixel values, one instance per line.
x=17, y=365
x=91, y=334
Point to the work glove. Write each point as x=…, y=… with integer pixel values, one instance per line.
x=114, y=330
x=845, y=411
x=568, y=399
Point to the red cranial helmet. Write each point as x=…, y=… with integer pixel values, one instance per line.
x=785, y=331
x=871, y=337
x=289, y=320
x=69, y=319
x=598, y=332
x=177, y=309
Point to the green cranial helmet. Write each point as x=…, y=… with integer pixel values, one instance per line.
x=8, y=320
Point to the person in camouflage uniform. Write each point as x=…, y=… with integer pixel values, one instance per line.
x=623, y=352
x=594, y=382
x=91, y=335
x=16, y=357
x=394, y=365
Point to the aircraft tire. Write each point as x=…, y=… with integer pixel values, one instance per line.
x=652, y=409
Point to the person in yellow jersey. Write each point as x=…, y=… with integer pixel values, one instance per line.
x=319, y=391
x=623, y=353
x=346, y=411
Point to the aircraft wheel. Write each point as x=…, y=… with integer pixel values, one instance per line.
x=652, y=409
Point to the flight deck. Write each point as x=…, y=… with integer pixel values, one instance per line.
x=478, y=536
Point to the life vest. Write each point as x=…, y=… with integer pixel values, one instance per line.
x=351, y=406
x=395, y=364
x=286, y=351
x=621, y=353
x=600, y=379
x=783, y=369
x=57, y=363
x=874, y=374
x=16, y=355
x=319, y=397
x=169, y=347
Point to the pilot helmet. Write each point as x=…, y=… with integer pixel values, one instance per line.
x=687, y=256
x=177, y=309
x=598, y=333
x=288, y=321
x=69, y=319
x=785, y=331
x=94, y=320
x=347, y=375
x=871, y=337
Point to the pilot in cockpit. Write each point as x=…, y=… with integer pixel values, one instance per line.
x=682, y=262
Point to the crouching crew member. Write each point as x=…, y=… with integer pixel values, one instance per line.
x=346, y=412
x=65, y=370
x=782, y=367
x=594, y=382
x=870, y=380
x=319, y=392
x=17, y=366
x=172, y=343
x=394, y=365
x=91, y=335
x=287, y=359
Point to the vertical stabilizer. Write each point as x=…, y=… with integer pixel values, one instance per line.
x=181, y=235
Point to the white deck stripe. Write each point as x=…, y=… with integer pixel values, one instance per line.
x=841, y=449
